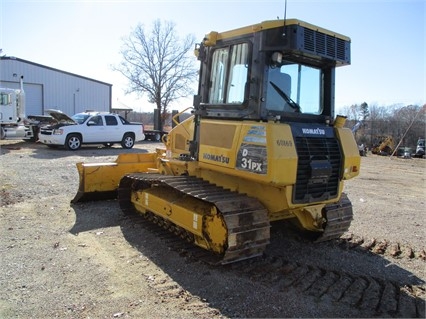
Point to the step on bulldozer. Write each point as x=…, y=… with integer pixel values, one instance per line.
x=262, y=145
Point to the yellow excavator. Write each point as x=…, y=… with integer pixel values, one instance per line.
x=263, y=144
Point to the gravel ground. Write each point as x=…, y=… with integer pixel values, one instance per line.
x=90, y=261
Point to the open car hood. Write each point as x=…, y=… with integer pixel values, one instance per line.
x=60, y=117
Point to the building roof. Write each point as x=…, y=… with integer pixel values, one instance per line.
x=120, y=106
x=11, y=58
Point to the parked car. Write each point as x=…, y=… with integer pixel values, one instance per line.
x=90, y=128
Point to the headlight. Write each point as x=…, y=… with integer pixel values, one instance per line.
x=58, y=132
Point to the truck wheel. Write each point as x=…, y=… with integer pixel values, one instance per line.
x=128, y=141
x=73, y=142
x=157, y=137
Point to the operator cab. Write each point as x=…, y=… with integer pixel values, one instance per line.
x=276, y=70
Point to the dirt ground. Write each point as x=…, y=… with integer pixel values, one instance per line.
x=88, y=260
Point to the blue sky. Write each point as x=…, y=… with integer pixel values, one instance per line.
x=84, y=37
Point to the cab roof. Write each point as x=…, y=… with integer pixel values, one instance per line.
x=213, y=36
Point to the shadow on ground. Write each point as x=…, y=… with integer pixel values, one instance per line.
x=237, y=291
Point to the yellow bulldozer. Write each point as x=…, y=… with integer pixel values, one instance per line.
x=262, y=145
x=384, y=145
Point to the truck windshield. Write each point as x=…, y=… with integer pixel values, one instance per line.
x=294, y=87
x=80, y=118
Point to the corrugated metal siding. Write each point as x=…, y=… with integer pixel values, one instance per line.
x=48, y=88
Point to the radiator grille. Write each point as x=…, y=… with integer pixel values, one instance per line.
x=46, y=132
x=311, y=150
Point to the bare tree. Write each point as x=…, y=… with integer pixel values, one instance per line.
x=357, y=112
x=402, y=123
x=158, y=64
x=411, y=124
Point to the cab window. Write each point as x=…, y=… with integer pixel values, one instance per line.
x=5, y=99
x=110, y=120
x=96, y=121
x=229, y=75
x=293, y=87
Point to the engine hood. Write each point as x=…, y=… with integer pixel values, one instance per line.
x=60, y=117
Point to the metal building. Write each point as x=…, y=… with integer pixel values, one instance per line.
x=49, y=88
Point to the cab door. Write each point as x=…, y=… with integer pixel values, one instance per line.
x=113, y=128
x=95, y=130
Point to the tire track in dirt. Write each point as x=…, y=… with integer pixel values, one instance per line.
x=381, y=247
x=376, y=296
x=380, y=297
x=163, y=285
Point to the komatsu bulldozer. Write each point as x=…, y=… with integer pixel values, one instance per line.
x=263, y=144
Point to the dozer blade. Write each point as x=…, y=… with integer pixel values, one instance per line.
x=100, y=180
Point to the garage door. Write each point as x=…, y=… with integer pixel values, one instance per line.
x=33, y=96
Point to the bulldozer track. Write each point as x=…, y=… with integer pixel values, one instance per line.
x=370, y=295
x=246, y=218
x=339, y=217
